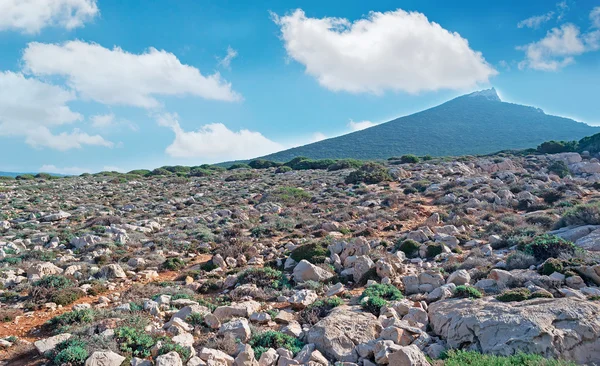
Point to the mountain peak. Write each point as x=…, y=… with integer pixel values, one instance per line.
x=489, y=94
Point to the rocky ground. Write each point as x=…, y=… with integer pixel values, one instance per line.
x=494, y=255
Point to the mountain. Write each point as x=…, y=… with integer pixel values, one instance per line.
x=476, y=123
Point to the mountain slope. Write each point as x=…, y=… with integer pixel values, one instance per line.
x=476, y=123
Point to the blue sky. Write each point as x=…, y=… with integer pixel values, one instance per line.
x=89, y=85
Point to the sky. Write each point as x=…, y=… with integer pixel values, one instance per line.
x=91, y=85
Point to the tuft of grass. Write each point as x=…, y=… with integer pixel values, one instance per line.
x=518, y=294
x=314, y=253
x=376, y=296
x=409, y=247
x=473, y=358
x=467, y=292
x=584, y=214
x=261, y=342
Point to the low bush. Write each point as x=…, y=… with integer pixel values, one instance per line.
x=71, y=352
x=409, y=159
x=134, y=341
x=434, y=249
x=585, y=214
x=319, y=309
x=550, y=246
x=559, y=168
x=463, y=291
x=520, y=260
x=74, y=317
x=473, y=358
x=518, y=294
x=369, y=173
x=195, y=319
x=376, y=296
x=314, y=253
x=169, y=346
x=551, y=265
x=173, y=264
x=261, y=342
x=265, y=277
x=408, y=246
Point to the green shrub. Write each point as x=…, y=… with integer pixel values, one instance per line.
x=434, y=249
x=169, y=346
x=134, y=341
x=585, y=214
x=173, y=264
x=409, y=159
x=552, y=265
x=463, y=291
x=550, y=246
x=25, y=177
x=262, y=164
x=195, y=319
x=518, y=294
x=373, y=304
x=84, y=316
x=70, y=352
x=559, y=168
x=288, y=195
x=261, y=342
x=239, y=166
x=376, y=296
x=66, y=296
x=409, y=247
x=345, y=164
x=520, y=260
x=555, y=147
x=314, y=253
x=141, y=172
x=369, y=173
x=473, y=358
x=265, y=277
x=283, y=169
x=54, y=282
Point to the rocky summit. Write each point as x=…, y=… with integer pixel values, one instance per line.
x=489, y=260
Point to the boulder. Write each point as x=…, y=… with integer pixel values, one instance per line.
x=169, y=359
x=236, y=310
x=306, y=271
x=567, y=327
x=338, y=334
x=408, y=356
x=107, y=358
x=48, y=344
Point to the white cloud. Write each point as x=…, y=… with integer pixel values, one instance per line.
x=361, y=125
x=119, y=77
x=42, y=137
x=29, y=108
x=103, y=120
x=558, y=48
x=50, y=168
x=535, y=21
x=595, y=17
x=395, y=50
x=215, y=142
x=226, y=61
x=30, y=16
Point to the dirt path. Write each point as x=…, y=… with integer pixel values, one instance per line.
x=29, y=326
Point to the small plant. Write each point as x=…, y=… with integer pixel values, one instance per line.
x=434, y=249
x=409, y=247
x=134, y=341
x=473, y=358
x=409, y=159
x=470, y=292
x=72, y=317
x=520, y=260
x=272, y=339
x=376, y=296
x=585, y=214
x=264, y=277
x=54, y=282
x=168, y=346
x=369, y=173
x=559, y=168
x=173, y=264
x=70, y=352
x=518, y=294
x=195, y=319
x=552, y=265
x=313, y=252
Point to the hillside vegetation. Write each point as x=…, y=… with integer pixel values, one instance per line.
x=477, y=123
